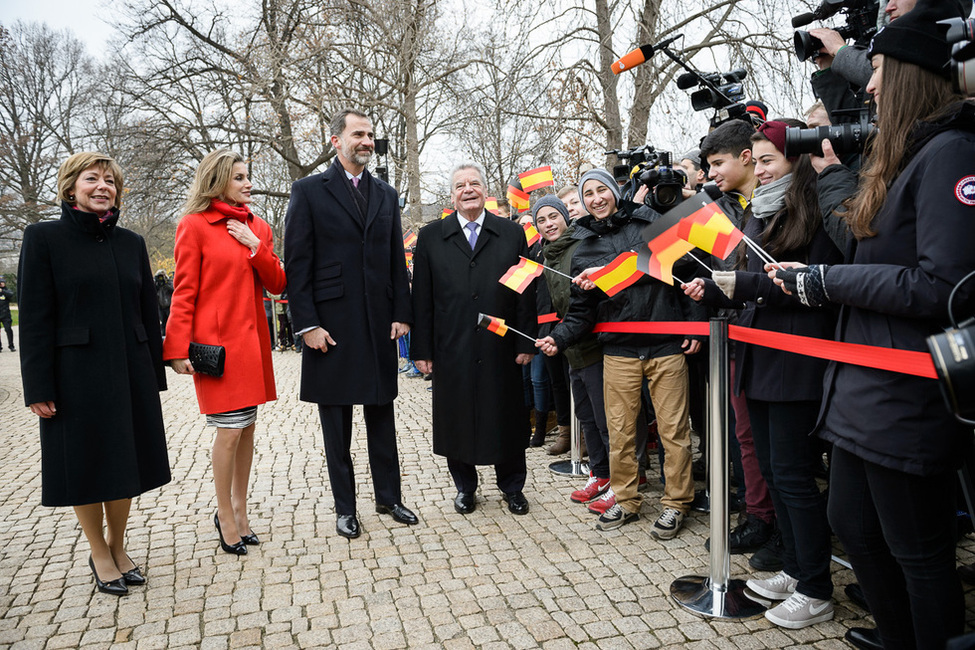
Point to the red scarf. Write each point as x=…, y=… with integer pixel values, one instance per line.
x=239, y=212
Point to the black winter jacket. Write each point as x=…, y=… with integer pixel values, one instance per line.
x=647, y=300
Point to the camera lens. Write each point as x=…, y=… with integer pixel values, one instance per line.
x=806, y=45
x=667, y=196
x=845, y=138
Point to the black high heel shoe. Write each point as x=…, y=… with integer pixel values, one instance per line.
x=234, y=549
x=250, y=540
x=114, y=587
x=134, y=575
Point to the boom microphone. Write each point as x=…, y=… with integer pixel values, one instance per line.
x=633, y=59
x=803, y=19
x=641, y=55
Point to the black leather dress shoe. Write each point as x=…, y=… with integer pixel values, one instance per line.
x=347, y=526
x=250, y=540
x=114, y=587
x=400, y=513
x=866, y=638
x=517, y=503
x=854, y=592
x=464, y=503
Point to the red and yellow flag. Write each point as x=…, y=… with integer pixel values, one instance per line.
x=491, y=204
x=531, y=234
x=536, y=178
x=517, y=198
x=409, y=257
x=658, y=257
x=492, y=324
x=446, y=211
x=617, y=275
x=409, y=239
x=711, y=230
x=521, y=275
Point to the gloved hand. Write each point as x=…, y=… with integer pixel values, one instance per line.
x=808, y=283
x=725, y=281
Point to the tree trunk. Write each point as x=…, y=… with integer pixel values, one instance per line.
x=607, y=80
x=643, y=84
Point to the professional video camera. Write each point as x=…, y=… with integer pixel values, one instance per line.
x=653, y=169
x=961, y=33
x=716, y=89
x=861, y=24
x=846, y=138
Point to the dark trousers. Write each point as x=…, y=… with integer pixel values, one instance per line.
x=788, y=457
x=558, y=372
x=898, y=530
x=587, y=391
x=510, y=474
x=383, y=457
x=8, y=325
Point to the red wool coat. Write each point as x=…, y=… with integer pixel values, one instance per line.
x=217, y=299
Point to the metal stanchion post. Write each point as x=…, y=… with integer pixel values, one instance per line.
x=716, y=595
x=573, y=466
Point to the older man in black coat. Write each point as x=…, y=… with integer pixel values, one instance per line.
x=349, y=295
x=479, y=412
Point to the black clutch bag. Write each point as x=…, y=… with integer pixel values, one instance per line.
x=208, y=359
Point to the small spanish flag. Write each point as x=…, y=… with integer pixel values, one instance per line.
x=409, y=239
x=517, y=198
x=537, y=178
x=446, y=211
x=618, y=274
x=491, y=204
x=531, y=234
x=492, y=324
x=708, y=227
x=521, y=275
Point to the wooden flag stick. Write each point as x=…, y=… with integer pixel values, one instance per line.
x=758, y=250
x=698, y=260
x=679, y=281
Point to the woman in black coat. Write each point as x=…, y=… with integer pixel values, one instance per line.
x=895, y=445
x=91, y=362
x=782, y=389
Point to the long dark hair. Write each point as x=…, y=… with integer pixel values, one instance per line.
x=910, y=94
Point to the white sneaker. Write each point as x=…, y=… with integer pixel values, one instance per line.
x=667, y=524
x=778, y=587
x=799, y=611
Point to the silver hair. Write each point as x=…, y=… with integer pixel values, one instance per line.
x=462, y=167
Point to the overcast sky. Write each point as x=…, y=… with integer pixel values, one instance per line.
x=83, y=17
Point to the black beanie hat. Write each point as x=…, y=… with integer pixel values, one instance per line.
x=551, y=201
x=917, y=38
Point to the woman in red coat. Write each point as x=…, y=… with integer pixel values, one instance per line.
x=224, y=258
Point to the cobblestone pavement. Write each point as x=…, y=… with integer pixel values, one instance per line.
x=487, y=580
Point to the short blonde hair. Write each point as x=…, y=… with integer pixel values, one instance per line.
x=211, y=179
x=77, y=163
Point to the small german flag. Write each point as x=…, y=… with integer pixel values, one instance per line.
x=517, y=198
x=531, y=234
x=491, y=204
x=709, y=228
x=521, y=275
x=617, y=275
x=409, y=257
x=492, y=324
x=446, y=211
x=536, y=178
x=409, y=239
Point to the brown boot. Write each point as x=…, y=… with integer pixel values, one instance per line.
x=562, y=443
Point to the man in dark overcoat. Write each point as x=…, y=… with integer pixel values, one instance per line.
x=6, y=297
x=350, y=300
x=479, y=412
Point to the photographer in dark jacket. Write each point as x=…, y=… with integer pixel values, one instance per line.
x=6, y=296
x=895, y=446
x=630, y=358
x=164, y=295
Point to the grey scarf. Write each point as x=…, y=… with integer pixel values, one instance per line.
x=769, y=199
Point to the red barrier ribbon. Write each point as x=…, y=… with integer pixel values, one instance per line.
x=908, y=362
x=548, y=318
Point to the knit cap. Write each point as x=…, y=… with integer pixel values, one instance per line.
x=603, y=177
x=553, y=202
x=916, y=37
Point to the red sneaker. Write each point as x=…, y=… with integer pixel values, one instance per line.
x=603, y=503
x=594, y=488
